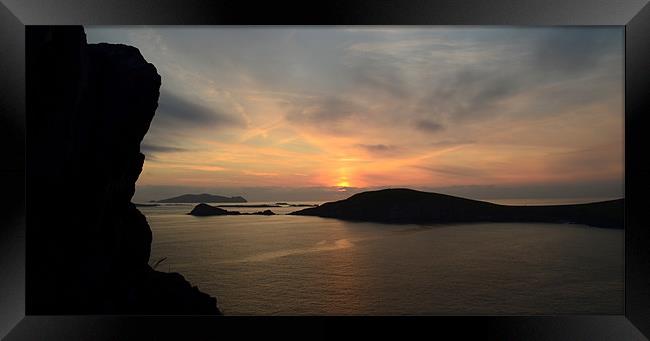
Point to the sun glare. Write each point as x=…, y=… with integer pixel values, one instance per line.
x=343, y=182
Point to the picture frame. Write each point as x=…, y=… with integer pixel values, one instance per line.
x=18, y=324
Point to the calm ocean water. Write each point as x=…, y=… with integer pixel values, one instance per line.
x=291, y=265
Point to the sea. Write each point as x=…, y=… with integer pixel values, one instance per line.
x=301, y=265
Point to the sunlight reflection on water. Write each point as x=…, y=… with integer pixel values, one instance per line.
x=290, y=265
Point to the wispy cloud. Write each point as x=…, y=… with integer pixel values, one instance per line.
x=152, y=148
x=175, y=111
x=381, y=149
x=428, y=126
x=424, y=107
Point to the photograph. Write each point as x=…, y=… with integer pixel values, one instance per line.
x=379, y=170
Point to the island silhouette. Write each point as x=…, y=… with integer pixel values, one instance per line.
x=408, y=206
x=204, y=197
x=202, y=210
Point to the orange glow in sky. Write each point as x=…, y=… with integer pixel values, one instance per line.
x=373, y=107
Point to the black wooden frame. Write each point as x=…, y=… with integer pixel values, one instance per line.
x=634, y=15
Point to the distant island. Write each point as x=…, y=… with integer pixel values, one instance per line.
x=279, y=204
x=253, y=205
x=204, y=210
x=199, y=198
x=409, y=206
x=271, y=205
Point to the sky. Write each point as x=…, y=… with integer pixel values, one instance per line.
x=320, y=113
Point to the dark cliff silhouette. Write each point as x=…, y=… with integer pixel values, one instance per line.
x=89, y=107
x=410, y=206
x=204, y=210
x=197, y=198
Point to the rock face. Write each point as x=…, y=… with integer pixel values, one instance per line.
x=410, y=206
x=90, y=106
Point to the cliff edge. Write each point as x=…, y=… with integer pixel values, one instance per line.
x=89, y=107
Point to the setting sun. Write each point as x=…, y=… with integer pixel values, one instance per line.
x=343, y=183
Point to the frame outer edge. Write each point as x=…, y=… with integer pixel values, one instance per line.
x=12, y=171
x=637, y=170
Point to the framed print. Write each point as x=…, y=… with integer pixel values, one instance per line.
x=188, y=168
